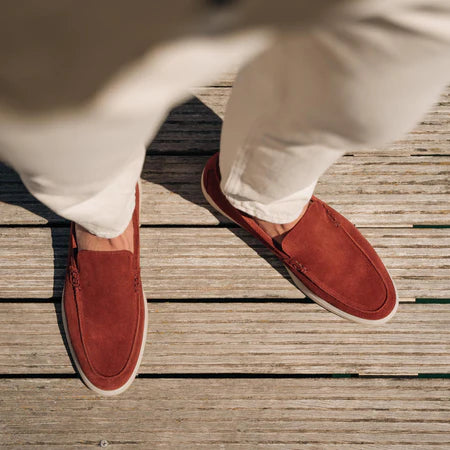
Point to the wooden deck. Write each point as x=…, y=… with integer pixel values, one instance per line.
x=236, y=357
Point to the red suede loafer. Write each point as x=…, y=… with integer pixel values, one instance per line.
x=328, y=259
x=104, y=312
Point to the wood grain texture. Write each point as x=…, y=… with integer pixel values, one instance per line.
x=229, y=413
x=244, y=337
x=183, y=262
x=430, y=136
x=370, y=191
x=195, y=127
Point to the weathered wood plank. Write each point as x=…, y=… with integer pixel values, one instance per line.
x=272, y=337
x=369, y=191
x=217, y=262
x=186, y=263
x=195, y=127
x=431, y=135
x=229, y=413
x=373, y=191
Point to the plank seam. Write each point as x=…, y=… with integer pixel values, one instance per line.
x=236, y=375
x=57, y=300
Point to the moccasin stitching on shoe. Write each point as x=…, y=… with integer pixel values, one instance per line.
x=340, y=297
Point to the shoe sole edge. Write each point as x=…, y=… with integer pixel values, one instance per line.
x=89, y=384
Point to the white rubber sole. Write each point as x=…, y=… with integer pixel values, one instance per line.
x=110, y=393
x=320, y=301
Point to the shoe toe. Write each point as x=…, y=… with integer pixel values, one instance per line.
x=106, y=319
x=340, y=266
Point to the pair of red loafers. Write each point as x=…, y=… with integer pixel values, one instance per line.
x=105, y=312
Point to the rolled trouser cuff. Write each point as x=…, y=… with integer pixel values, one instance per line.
x=282, y=211
x=104, y=211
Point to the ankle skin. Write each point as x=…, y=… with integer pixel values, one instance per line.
x=89, y=241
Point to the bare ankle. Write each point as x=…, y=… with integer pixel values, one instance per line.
x=278, y=231
x=89, y=241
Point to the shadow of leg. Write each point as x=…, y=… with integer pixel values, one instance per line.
x=192, y=134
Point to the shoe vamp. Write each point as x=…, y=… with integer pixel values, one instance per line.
x=334, y=261
x=109, y=309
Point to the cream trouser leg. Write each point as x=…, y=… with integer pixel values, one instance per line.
x=84, y=163
x=307, y=98
x=310, y=97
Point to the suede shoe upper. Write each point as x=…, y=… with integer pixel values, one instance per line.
x=105, y=313
x=325, y=253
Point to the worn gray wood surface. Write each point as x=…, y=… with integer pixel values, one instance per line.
x=245, y=337
x=431, y=135
x=229, y=414
x=218, y=262
x=373, y=190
